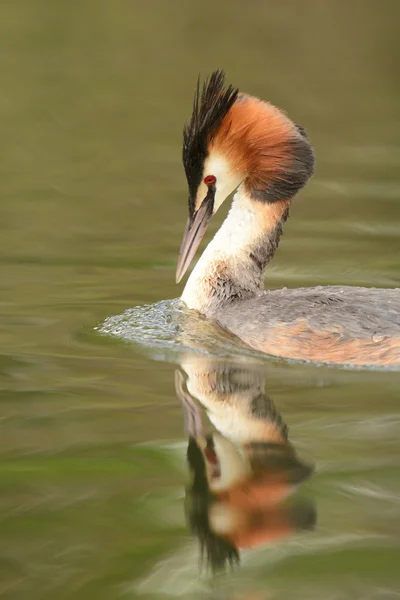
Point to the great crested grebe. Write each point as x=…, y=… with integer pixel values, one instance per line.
x=245, y=472
x=238, y=141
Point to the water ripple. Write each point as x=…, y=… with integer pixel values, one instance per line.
x=165, y=330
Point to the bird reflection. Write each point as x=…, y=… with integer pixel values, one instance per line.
x=242, y=474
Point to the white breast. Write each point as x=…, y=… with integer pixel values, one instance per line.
x=230, y=248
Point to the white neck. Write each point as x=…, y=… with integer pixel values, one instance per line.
x=226, y=268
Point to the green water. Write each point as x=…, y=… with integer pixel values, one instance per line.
x=93, y=203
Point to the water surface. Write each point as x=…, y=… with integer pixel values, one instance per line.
x=93, y=205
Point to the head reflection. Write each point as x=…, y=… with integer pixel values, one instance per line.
x=242, y=474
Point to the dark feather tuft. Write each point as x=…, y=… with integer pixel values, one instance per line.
x=210, y=106
x=217, y=553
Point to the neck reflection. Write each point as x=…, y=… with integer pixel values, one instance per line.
x=245, y=473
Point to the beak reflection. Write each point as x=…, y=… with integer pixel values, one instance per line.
x=194, y=232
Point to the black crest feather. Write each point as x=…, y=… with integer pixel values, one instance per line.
x=217, y=553
x=211, y=104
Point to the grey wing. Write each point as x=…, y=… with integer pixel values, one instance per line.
x=330, y=324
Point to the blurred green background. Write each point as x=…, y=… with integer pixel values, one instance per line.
x=93, y=95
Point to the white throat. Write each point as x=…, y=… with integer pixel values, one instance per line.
x=227, y=256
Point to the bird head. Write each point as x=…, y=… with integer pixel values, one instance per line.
x=233, y=139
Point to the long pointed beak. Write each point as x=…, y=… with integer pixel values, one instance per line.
x=194, y=232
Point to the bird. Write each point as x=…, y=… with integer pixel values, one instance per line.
x=235, y=142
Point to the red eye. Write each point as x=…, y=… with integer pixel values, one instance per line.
x=210, y=180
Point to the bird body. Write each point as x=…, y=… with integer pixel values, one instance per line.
x=236, y=142
x=331, y=324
